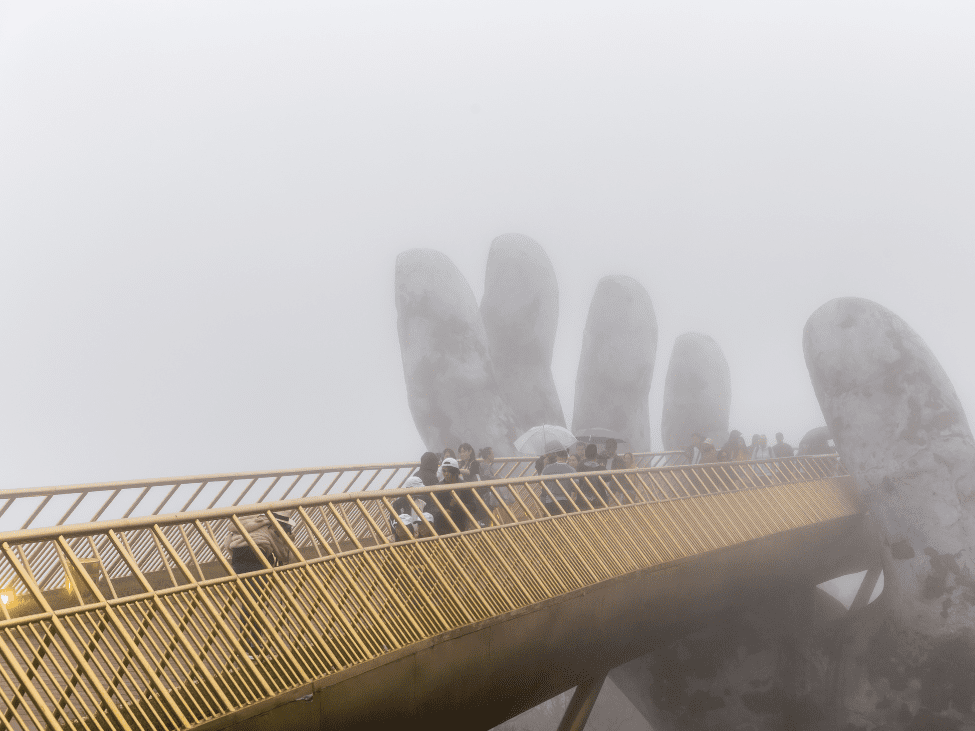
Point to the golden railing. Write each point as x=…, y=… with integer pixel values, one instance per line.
x=68, y=504
x=143, y=623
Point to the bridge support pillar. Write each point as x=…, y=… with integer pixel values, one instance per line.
x=577, y=714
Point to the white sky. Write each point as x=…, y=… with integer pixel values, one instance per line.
x=201, y=203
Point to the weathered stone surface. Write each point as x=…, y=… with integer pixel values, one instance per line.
x=450, y=381
x=763, y=668
x=520, y=312
x=619, y=346
x=902, y=433
x=697, y=392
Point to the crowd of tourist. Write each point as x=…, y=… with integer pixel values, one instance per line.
x=702, y=451
x=464, y=509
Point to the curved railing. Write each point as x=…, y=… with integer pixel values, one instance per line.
x=155, y=626
x=143, y=623
x=69, y=504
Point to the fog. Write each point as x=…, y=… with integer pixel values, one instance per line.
x=201, y=204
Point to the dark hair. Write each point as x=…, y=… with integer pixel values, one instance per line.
x=485, y=450
x=779, y=434
x=429, y=461
x=452, y=453
x=591, y=451
x=611, y=443
x=562, y=454
x=466, y=446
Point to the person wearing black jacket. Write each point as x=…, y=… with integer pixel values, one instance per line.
x=427, y=472
x=455, y=506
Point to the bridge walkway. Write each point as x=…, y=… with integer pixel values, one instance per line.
x=141, y=623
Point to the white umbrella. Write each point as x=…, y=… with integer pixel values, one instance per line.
x=598, y=435
x=544, y=439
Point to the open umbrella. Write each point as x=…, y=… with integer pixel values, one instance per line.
x=545, y=439
x=598, y=435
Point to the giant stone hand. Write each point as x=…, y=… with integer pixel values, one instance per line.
x=901, y=431
x=484, y=376
x=906, y=662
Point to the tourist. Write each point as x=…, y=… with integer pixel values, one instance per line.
x=693, y=452
x=428, y=469
x=559, y=489
x=580, y=452
x=594, y=488
x=410, y=524
x=628, y=462
x=574, y=462
x=782, y=448
x=469, y=466
x=760, y=448
x=708, y=453
x=464, y=499
x=540, y=463
x=266, y=535
x=610, y=457
x=448, y=453
x=760, y=451
x=488, y=470
x=734, y=450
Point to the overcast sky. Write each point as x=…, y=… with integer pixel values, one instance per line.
x=201, y=203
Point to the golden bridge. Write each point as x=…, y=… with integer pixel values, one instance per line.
x=120, y=608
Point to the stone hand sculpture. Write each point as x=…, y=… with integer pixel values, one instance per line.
x=450, y=380
x=901, y=432
x=905, y=662
x=485, y=376
x=697, y=392
x=520, y=311
x=619, y=346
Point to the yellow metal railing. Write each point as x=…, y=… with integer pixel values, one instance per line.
x=40, y=507
x=143, y=623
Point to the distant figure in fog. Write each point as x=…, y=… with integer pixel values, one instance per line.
x=708, y=452
x=428, y=469
x=470, y=468
x=563, y=490
x=488, y=470
x=591, y=463
x=693, y=452
x=734, y=449
x=760, y=448
x=782, y=448
x=580, y=452
x=610, y=457
x=592, y=488
x=574, y=462
x=629, y=461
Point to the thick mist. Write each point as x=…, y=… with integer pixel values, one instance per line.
x=201, y=205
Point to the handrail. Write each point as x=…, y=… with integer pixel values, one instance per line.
x=351, y=521
x=88, y=503
x=143, y=623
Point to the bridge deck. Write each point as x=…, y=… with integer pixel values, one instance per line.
x=142, y=623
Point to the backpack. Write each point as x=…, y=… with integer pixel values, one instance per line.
x=264, y=535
